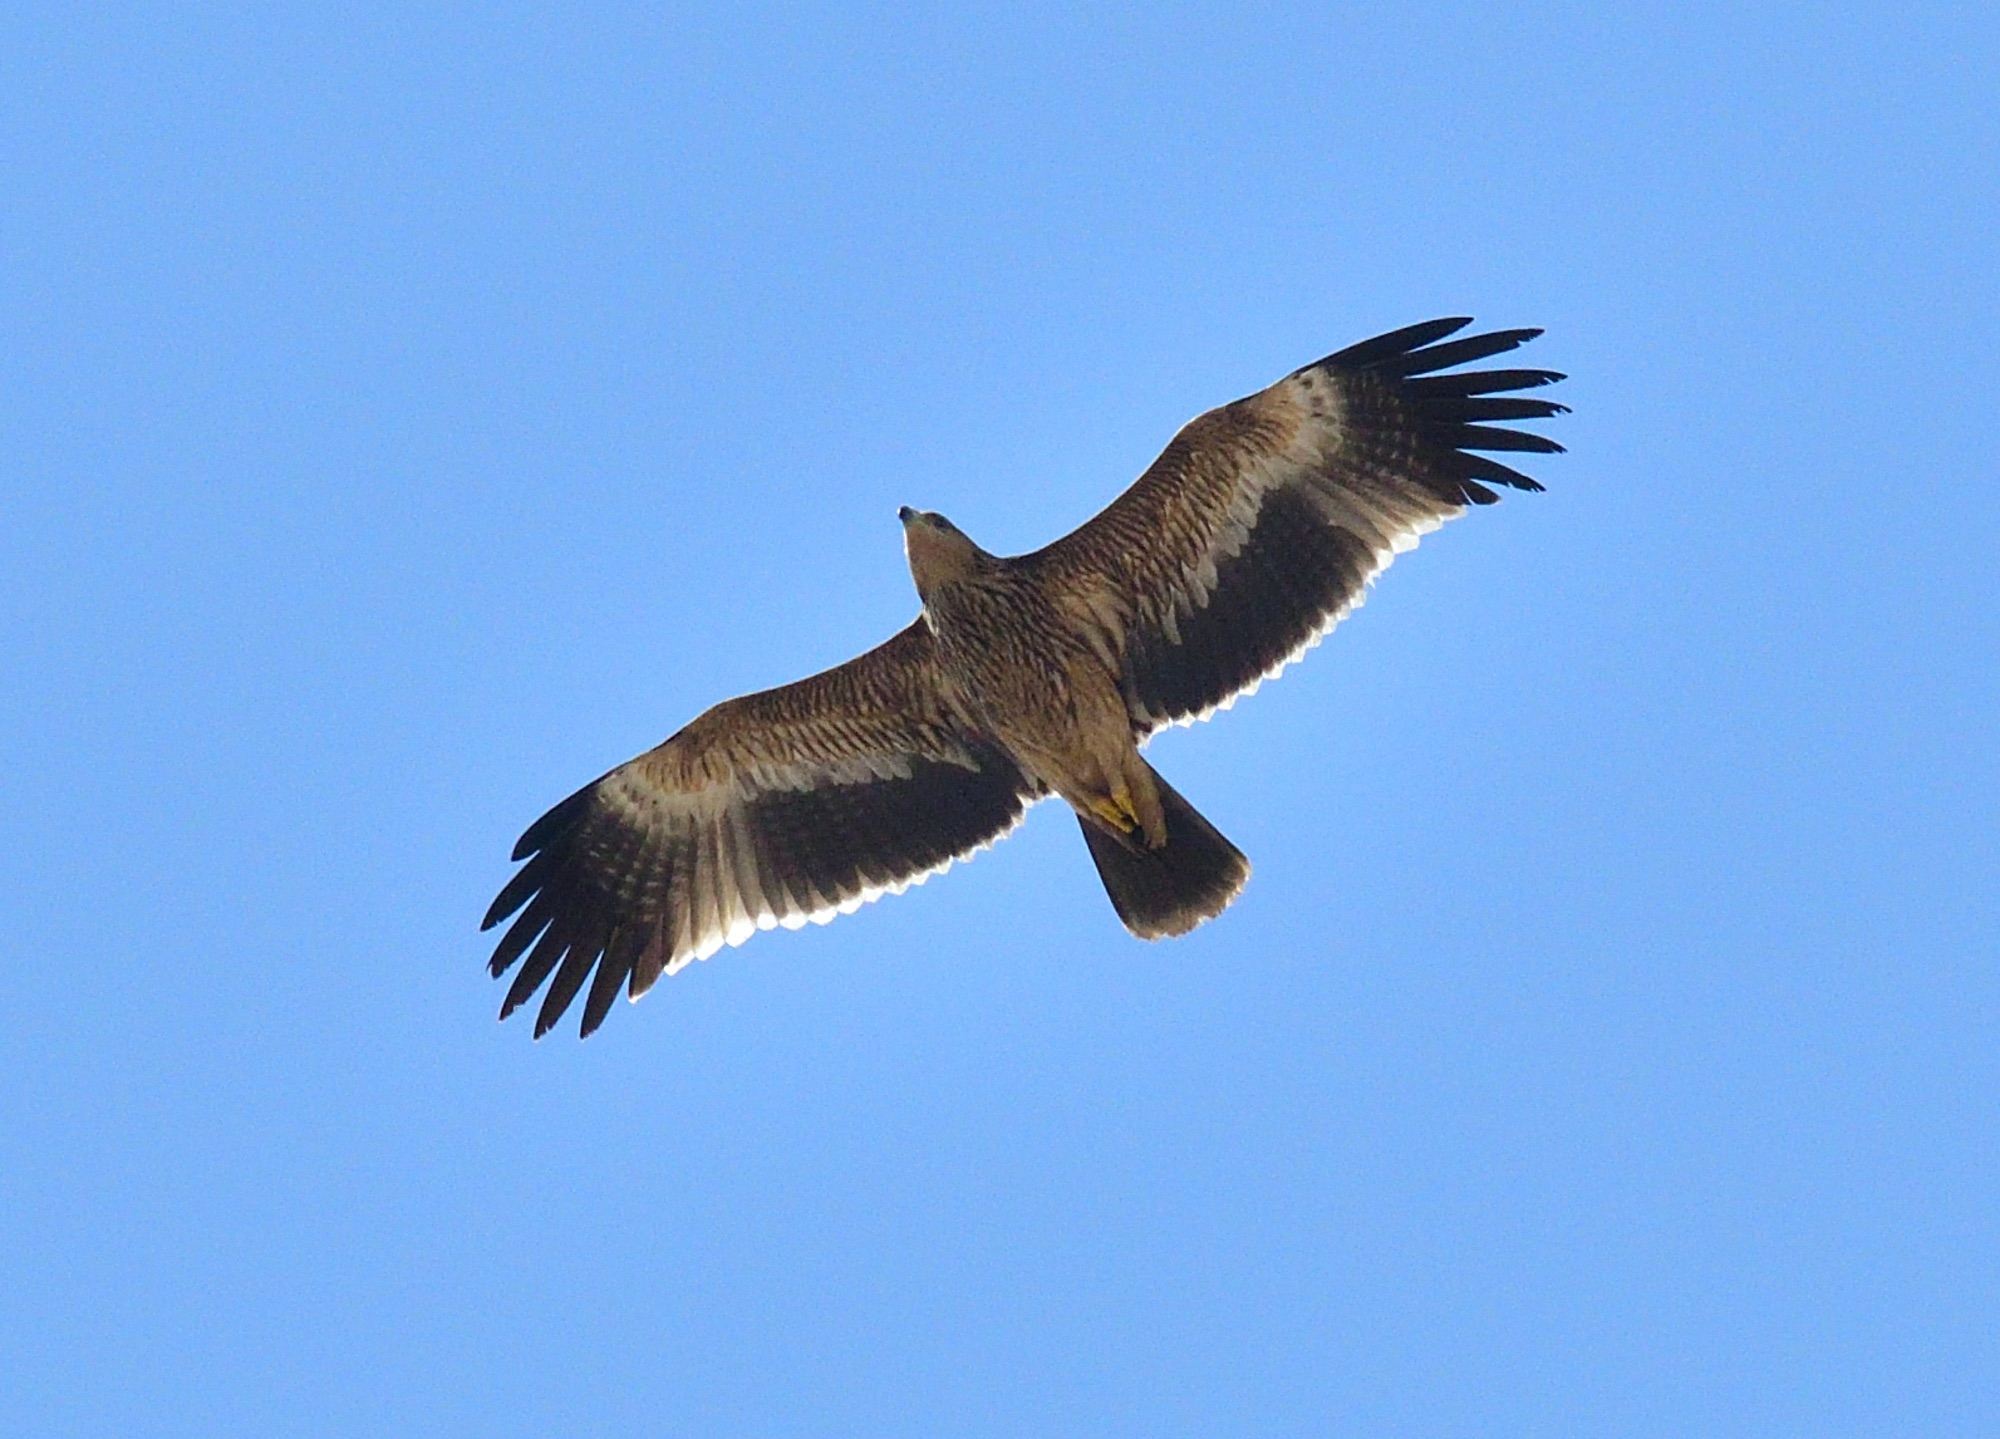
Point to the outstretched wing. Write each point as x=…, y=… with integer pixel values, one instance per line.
x=789, y=805
x=1263, y=522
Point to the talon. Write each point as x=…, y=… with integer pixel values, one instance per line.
x=1122, y=797
x=1119, y=816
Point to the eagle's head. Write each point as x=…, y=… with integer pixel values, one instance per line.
x=938, y=550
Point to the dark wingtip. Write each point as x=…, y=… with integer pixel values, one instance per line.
x=1456, y=352
x=1463, y=465
x=1481, y=382
x=1488, y=437
x=1378, y=348
x=1452, y=411
x=515, y=893
x=560, y=817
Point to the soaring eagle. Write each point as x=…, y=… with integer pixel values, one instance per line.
x=1255, y=532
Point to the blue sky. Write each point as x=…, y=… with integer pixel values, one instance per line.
x=410, y=412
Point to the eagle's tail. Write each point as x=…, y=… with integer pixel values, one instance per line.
x=1169, y=890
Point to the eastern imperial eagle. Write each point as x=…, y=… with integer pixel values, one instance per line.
x=1244, y=543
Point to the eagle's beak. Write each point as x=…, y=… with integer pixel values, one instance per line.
x=906, y=514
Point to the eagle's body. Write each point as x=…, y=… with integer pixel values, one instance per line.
x=1012, y=663
x=1244, y=543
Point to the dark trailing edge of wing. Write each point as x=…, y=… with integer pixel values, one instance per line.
x=600, y=893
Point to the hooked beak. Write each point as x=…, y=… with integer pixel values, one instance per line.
x=906, y=514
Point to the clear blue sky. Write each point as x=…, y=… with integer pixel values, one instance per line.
x=407, y=413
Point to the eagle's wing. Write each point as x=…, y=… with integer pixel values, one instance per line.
x=789, y=805
x=1262, y=523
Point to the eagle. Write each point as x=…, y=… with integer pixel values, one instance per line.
x=1250, y=537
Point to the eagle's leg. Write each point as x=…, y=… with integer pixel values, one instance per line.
x=1143, y=792
x=1133, y=804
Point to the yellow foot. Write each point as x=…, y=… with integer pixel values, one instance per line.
x=1116, y=811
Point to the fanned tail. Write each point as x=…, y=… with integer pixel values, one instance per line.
x=1167, y=891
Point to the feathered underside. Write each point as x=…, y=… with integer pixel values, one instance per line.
x=1261, y=525
x=777, y=808
x=1257, y=529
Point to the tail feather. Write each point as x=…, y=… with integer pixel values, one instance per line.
x=1168, y=891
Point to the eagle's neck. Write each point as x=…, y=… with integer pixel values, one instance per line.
x=941, y=558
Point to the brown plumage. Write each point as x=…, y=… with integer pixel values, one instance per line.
x=1239, y=548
